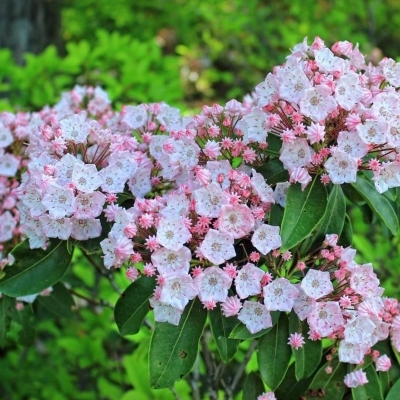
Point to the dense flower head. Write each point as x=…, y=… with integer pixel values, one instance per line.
x=192, y=201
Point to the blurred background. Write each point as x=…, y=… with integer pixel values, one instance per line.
x=186, y=53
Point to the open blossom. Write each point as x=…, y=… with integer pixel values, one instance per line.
x=255, y=316
x=341, y=168
x=280, y=295
x=325, y=317
x=266, y=238
x=213, y=284
x=317, y=284
x=248, y=281
x=217, y=246
x=172, y=233
x=236, y=219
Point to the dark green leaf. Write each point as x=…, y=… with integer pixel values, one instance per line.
x=133, y=305
x=303, y=211
x=309, y=356
x=173, y=349
x=7, y=304
x=221, y=327
x=346, y=238
x=59, y=301
x=333, y=219
x=394, y=392
x=35, y=270
x=241, y=332
x=378, y=203
x=291, y=388
x=274, y=353
x=23, y=317
x=331, y=384
x=253, y=387
x=274, y=172
x=371, y=390
x=276, y=215
x=274, y=145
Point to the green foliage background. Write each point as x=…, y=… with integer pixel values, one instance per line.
x=187, y=53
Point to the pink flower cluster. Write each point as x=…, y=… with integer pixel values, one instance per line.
x=180, y=198
x=336, y=115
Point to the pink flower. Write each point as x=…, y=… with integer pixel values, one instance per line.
x=317, y=284
x=248, y=281
x=172, y=233
x=267, y=396
x=212, y=285
x=355, y=378
x=255, y=316
x=217, y=246
x=296, y=340
x=231, y=306
x=383, y=363
x=280, y=295
x=236, y=219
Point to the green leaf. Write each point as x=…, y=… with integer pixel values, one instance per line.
x=303, y=211
x=236, y=162
x=59, y=301
x=23, y=317
x=274, y=353
x=274, y=172
x=276, y=215
x=309, y=356
x=331, y=384
x=173, y=349
x=378, y=203
x=35, y=270
x=291, y=388
x=221, y=327
x=371, y=390
x=346, y=238
x=133, y=305
x=333, y=219
x=253, y=387
x=394, y=392
x=7, y=304
x=274, y=145
x=242, y=333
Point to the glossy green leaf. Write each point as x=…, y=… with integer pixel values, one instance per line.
x=133, y=305
x=236, y=162
x=274, y=172
x=291, y=388
x=333, y=219
x=241, y=332
x=7, y=304
x=221, y=327
x=173, y=349
x=308, y=356
x=276, y=215
x=331, y=384
x=394, y=392
x=371, y=390
x=59, y=301
x=253, y=387
x=378, y=203
x=274, y=353
x=35, y=270
x=274, y=145
x=346, y=238
x=303, y=211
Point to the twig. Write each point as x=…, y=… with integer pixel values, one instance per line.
x=230, y=389
x=91, y=301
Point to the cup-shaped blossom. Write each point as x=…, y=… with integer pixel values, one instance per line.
x=212, y=285
x=359, y=329
x=364, y=281
x=177, y=290
x=59, y=201
x=165, y=312
x=266, y=238
x=341, y=168
x=236, y=219
x=317, y=284
x=217, y=246
x=355, y=378
x=352, y=353
x=248, y=281
x=85, y=177
x=280, y=295
x=172, y=233
x=255, y=316
x=172, y=262
x=325, y=318
x=209, y=200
